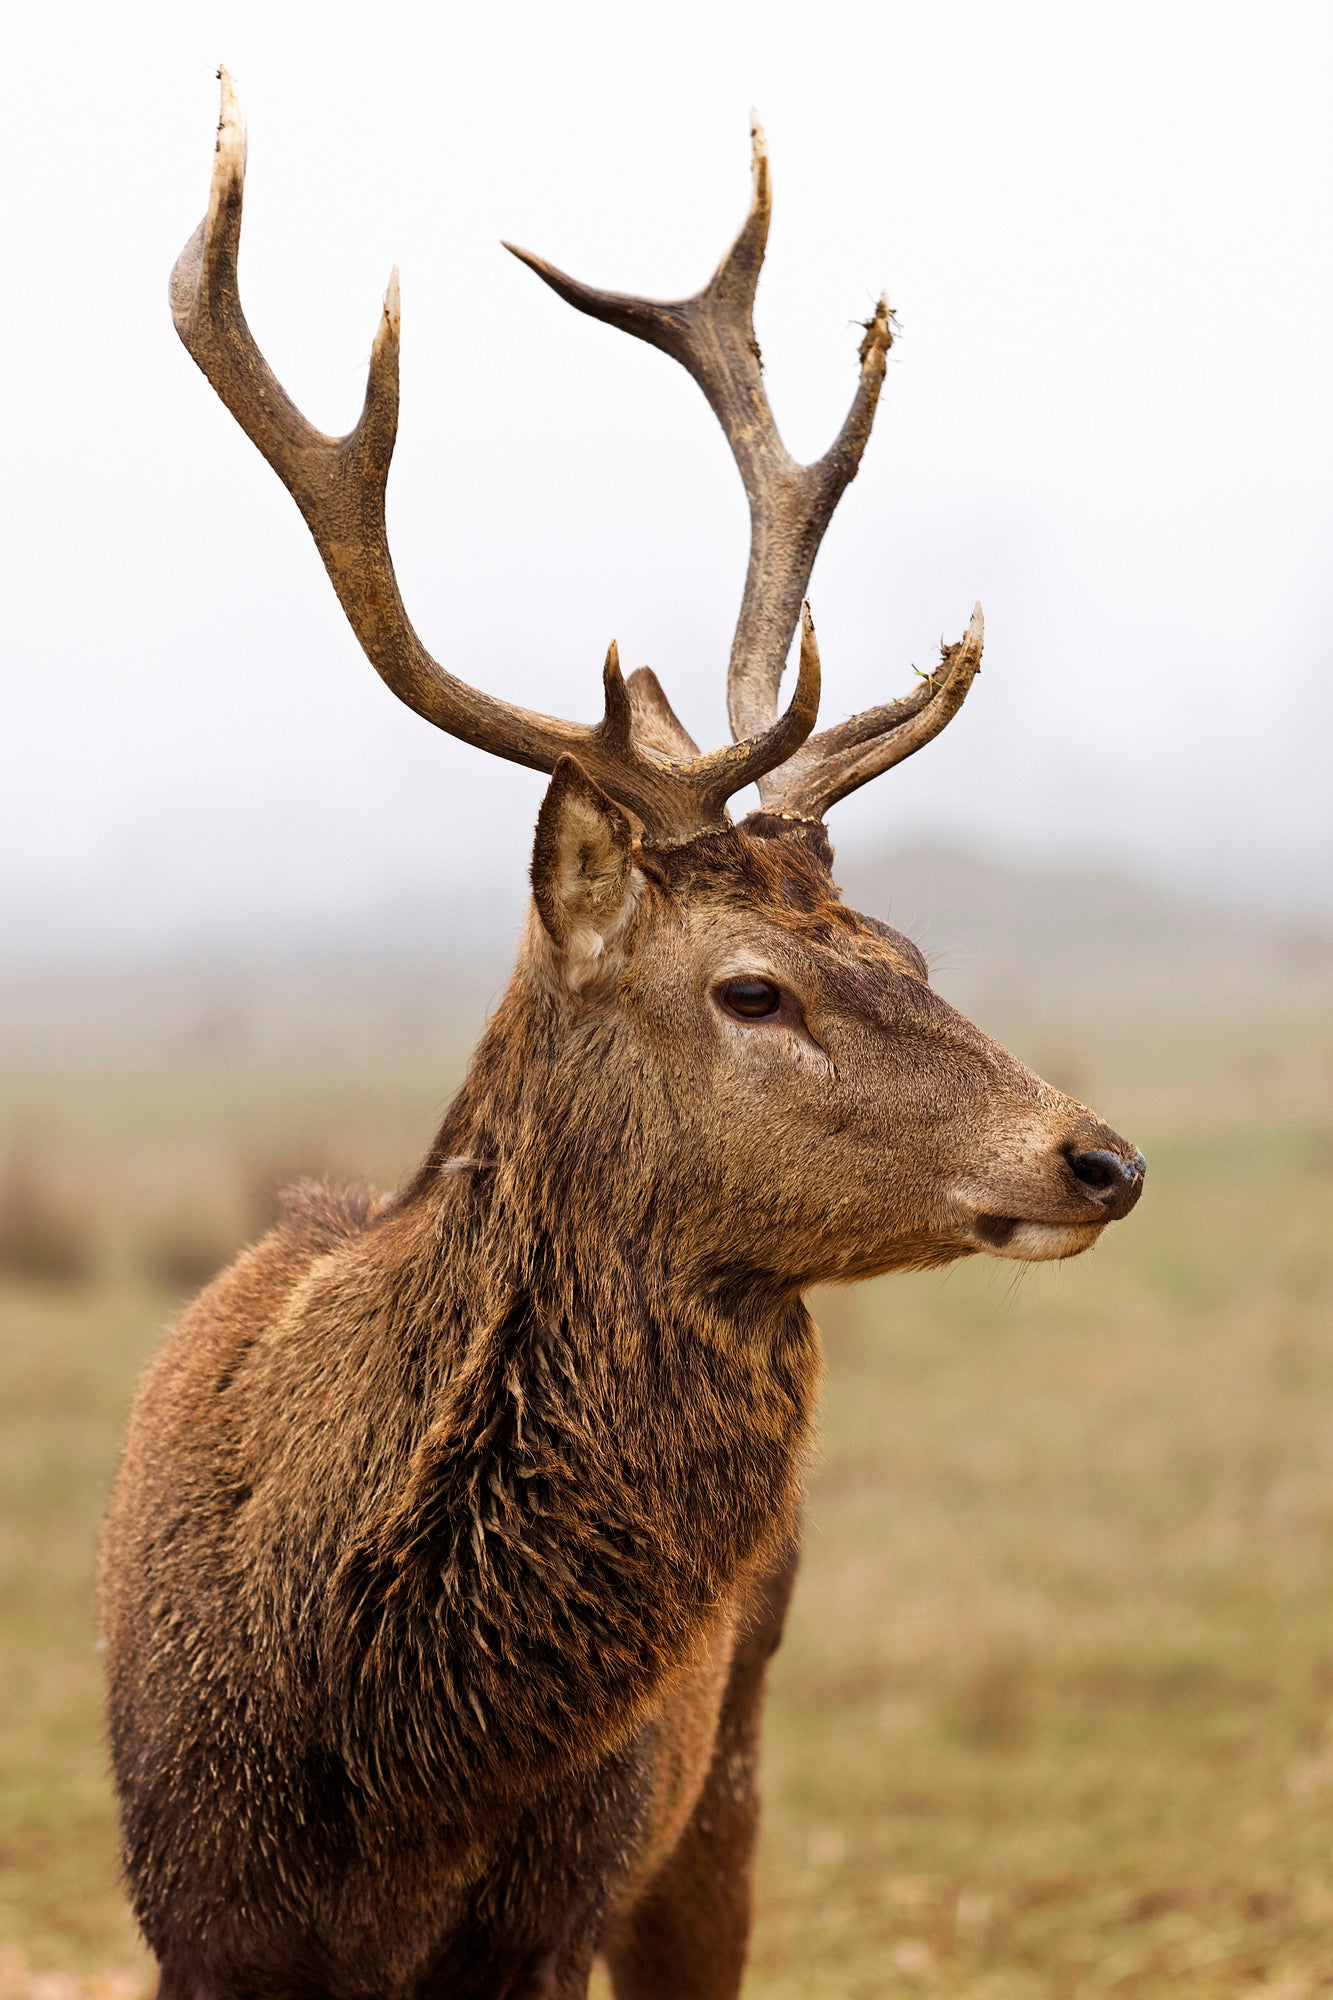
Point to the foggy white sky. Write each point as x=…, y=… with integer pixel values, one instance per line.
x=1105, y=232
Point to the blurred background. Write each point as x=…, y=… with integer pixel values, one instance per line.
x=1055, y=1716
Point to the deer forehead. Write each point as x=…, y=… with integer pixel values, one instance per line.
x=781, y=940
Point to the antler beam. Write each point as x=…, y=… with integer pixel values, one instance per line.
x=639, y=752
x=711, y=334
x=339, y=486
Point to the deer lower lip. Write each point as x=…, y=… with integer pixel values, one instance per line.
x=995, y=1231
x=1029, y=1241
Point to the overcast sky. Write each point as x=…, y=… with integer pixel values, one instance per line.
x=1106, y=235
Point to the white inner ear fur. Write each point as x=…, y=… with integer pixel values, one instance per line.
x=597, y=888
x=587, y=957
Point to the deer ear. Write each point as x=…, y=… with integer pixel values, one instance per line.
x=583, y=876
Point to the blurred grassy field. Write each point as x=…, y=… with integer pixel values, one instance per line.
x=1054, y=1718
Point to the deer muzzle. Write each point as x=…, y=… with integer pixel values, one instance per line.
x=1059, y=1200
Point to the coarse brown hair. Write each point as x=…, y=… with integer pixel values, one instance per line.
x=455, y=1528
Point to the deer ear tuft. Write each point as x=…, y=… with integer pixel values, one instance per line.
x=583, y=877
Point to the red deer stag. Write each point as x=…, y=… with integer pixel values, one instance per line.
x=455, y=1528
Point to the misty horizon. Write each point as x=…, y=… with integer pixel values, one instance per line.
x=1112, y=272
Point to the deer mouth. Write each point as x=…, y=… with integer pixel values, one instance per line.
x=1030, y=1242
x=1099, y=1183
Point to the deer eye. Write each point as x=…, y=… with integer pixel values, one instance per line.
x=750, y=999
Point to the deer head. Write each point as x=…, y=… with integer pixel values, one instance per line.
x=812, y=1099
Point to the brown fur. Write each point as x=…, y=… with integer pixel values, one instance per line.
x=454, y=1531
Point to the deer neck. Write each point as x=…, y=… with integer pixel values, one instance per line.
x=553, y=1181
x=616, y=1448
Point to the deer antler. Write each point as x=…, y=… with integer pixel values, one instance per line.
x=712, y=335
x=638, y=752
x=839, y=760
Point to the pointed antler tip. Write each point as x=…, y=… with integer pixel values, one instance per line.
x=230, y=104
x=538, y=265
x=616, y=728
x=231, y=130
x=758, y=164
x=805, y=701
x=391, y=316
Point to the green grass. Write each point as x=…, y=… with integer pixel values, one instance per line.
x=1054, y=1718
x=1056, y=1713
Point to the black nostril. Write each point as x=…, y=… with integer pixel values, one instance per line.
x=1113, y=1181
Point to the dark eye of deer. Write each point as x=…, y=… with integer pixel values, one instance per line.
x=751, y=999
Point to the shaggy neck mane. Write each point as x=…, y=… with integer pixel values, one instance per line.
x=611, y=1441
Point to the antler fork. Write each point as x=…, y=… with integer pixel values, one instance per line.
x=711, y=334
x=637, y=751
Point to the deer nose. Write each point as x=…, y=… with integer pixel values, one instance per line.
x=1113, y=1179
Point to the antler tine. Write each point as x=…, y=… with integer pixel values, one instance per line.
x=339, y=486
x=338, y=483
x=712, y=335
x=750, y=761
x=674, y=799
x=841, y=759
